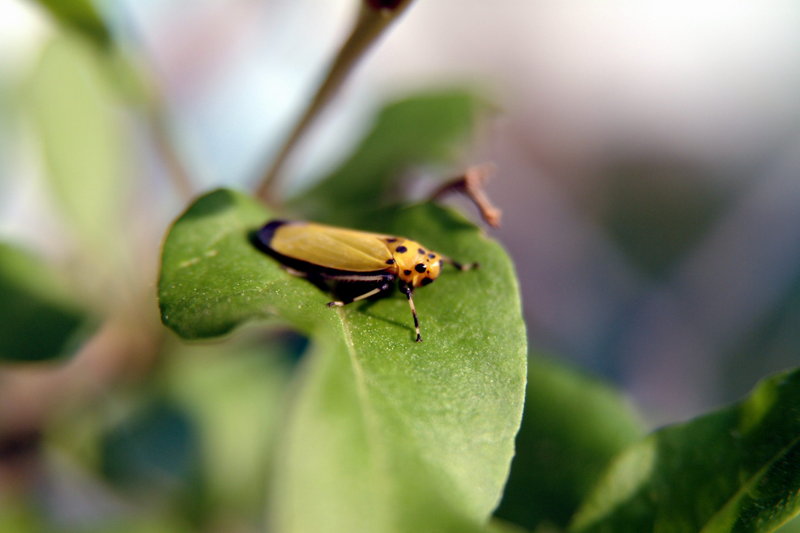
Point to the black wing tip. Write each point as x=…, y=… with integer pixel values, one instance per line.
x=262, y=237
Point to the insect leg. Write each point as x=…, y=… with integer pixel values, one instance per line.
x=295, y=272
x=386, y=283
x=463, y=267
x=373, y=292
x=407, y=289
x=357, y=277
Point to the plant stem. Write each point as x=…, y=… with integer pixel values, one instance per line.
x=148, y=93
x=176, y=169
x=372, y=21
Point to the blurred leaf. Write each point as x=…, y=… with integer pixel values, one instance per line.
x=81, y=139
x=80, y=15
x=139, y=524
x=38, y=319
x=17, y=516
x=157, y=447
x=425, y=129
x=737, y=469
x=385, y=434
x=773, y=335
x=235, y=394
x=572, y=427
x=497, y=525
x=656, y=215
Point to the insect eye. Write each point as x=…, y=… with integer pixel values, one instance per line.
x=420, y=268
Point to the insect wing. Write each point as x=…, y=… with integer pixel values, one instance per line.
x=330, y=247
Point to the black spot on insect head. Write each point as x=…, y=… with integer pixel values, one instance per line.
x=390, y=261
x=441, y=263
x=407, y=272
x=419, y=267
x=391, y=239
x=426, y=281
x=401, y=249
x=432, y=255
x=421, y=251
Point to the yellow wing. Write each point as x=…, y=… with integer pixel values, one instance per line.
x=332, y=247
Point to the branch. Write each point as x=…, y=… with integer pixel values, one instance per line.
x=155, y=120
x=374, y=18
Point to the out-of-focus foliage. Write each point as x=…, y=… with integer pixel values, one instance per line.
x=235, y=394
x=156, y=445
x=80, y=131
x=656, y=218
x=732, y=470
x=79, y=15
x=573, y=426
x=39, y=318
x=425, y=129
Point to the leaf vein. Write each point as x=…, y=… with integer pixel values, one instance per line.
x=752, y=480
x=371, y=423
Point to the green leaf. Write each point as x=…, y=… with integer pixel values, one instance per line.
x=80, y=15
x=155, y=453
x=18, y=516
x=425, y=129
x=385, y=434
x=154, y=448
x=792, y=526
x=234, y=392
x=73, y=107
x=38, y=318
x=572, y=427
x=137, y=523
x=737, y=469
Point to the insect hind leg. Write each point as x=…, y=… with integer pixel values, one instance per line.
x=295, y=272
x=384, y=286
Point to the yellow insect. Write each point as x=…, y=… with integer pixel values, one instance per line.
x=370, y=261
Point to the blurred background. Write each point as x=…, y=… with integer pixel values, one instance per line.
x=646, y=159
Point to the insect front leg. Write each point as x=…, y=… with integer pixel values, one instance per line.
x=407, y=290
x=463, y=267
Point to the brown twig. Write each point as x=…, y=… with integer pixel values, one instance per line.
x=471, y=184
x=373, y=19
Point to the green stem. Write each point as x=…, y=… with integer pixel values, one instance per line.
x=373, y=19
